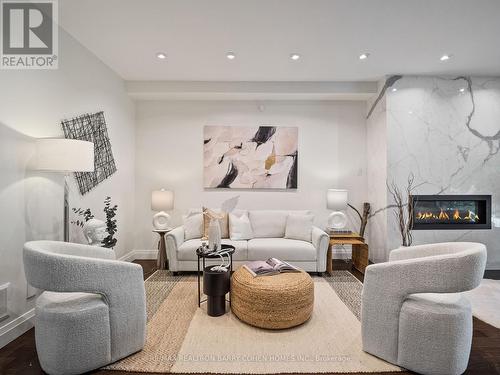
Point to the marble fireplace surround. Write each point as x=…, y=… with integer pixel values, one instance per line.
x=446, y=132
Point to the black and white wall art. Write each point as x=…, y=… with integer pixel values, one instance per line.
x=260, y=157
x=92, y=128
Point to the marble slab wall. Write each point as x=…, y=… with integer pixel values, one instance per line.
x=376, y=149
x=446, y=132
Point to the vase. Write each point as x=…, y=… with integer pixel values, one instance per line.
x=214, y=234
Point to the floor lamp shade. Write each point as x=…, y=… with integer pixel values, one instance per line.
x=64, y=155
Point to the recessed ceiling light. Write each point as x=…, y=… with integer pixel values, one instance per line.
x=410, y=112
x=445, y=57
x=230, y=55
x=394, y=89
x=294, y=56
x=364, y=56
x=161, y=55
x=462, y=89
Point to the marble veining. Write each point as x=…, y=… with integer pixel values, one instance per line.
x=446, y=131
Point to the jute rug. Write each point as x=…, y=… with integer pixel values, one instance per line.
x=182, y=338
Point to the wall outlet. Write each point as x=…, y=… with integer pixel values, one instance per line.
x=3, y=300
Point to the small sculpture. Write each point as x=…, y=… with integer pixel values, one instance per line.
x=94, y=228
x=95, y=231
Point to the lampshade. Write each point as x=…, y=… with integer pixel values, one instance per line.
x=64, y=155
x=162, y=200
x=336, y=199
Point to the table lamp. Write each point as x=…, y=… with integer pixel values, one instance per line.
x=162, y=200
x=66, y=156
x=336, y=200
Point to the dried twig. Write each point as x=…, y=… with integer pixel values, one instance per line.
x=362, y=217
x=404, y=210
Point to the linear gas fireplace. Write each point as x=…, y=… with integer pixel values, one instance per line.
x=451, y=212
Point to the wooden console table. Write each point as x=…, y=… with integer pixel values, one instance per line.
x=359, y=250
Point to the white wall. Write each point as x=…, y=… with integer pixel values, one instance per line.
x=169, y=154
x=32, y=104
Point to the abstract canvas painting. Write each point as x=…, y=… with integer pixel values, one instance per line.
x=259, y=157
x=92, y=128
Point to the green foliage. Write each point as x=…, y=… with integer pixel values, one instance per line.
x=111, y=227
x=87, y=215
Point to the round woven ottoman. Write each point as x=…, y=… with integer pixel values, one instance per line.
x=273, y=302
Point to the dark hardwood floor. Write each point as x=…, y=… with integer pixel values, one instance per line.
x=20, y=358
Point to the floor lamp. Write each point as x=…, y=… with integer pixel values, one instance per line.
x=65, y=156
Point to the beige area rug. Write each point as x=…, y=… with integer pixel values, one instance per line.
x=485, y=300
x=182, y=338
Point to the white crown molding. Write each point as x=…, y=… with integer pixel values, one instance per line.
x=197, y=90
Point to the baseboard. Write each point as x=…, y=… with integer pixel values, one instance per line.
x=12, y=330
x=493, y=266
x=139, y=254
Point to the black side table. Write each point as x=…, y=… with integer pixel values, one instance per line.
x=214, y=284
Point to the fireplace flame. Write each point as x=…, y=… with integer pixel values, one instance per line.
x=445, y=216
x=471, y=216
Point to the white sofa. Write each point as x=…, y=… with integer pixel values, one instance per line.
x=268, y=241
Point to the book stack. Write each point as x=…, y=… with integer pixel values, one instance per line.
x=339, y=231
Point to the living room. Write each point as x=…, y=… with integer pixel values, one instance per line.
x=155, y=154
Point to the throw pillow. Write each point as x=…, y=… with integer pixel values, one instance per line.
x=193, y=225
x=299, y=227
x=240, y=227
x=223, y=222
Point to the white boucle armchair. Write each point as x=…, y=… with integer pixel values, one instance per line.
x=411, y=313
x=93, y=308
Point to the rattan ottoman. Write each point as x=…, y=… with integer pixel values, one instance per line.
x=273, y=302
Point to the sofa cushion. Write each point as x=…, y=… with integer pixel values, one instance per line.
x=187, y=251
x=299, y=227
x=270, y=223
x=193, y=225
x=281, y=248
x=240, y=227
x=211, y=213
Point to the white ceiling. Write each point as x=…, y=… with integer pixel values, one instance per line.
x=403, y=37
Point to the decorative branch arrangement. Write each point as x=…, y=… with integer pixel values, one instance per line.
x=363, y=218
x=404, y=210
